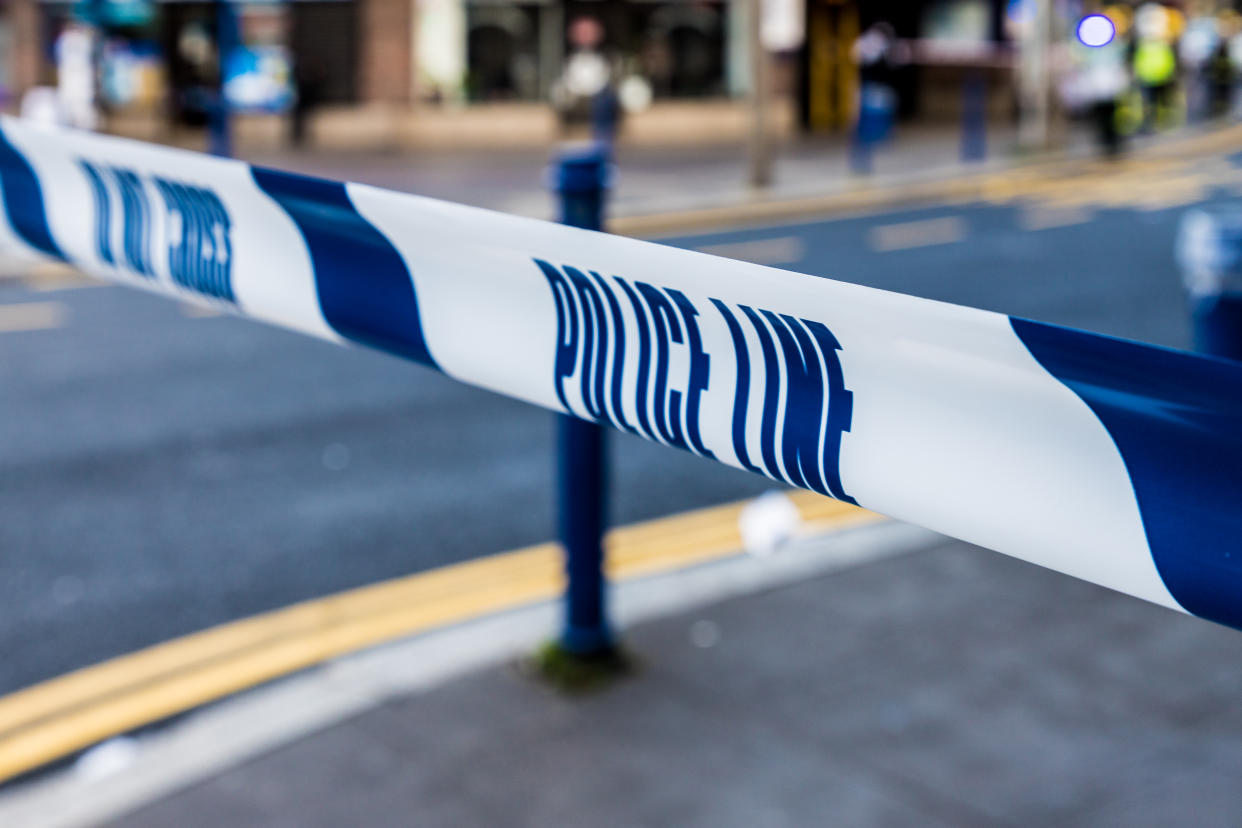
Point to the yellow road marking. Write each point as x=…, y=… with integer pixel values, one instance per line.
x=31, y=316
x=1020, y=181
x=53, y=719
x=67, y=284
x=44, y=277
x=922, y=233
x=778, y=251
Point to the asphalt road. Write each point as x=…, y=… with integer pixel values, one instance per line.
x=162, y=472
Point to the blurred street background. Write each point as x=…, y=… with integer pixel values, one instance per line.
x=164, y=470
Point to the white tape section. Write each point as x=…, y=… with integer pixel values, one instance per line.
x=1051, y=445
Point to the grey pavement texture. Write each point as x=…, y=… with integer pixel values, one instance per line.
x=951, y=686
x=655, y=178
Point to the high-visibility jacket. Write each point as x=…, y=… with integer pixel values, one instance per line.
x=1154, y=62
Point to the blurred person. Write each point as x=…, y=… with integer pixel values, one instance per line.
x=1221, y=77
x=878, y=54
x=75, y=76
x=198, y=66
x=1098, y=80
x=1155, y=63
x=41, y=104
x=310, y=80
x=1196, y=50
x=605, y=114
x=585, y=91
x=1231, y=46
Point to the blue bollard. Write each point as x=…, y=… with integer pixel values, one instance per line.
x=1209, y=249
x=1218, y=325
x=605, y=117
x=219, y=121
x=860, y=154
x=974, y=117
x=877, y=106
x=580, y=178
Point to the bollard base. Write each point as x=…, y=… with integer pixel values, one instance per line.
x=575, y=673
x=1218, y=325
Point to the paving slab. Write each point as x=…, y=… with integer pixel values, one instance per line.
x=951, y=686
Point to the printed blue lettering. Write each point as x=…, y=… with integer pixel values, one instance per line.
x=804, y=401
x=103, y=212
x=618, y=358
x=806, y=408
x=197, y=229
x=201, y=256
x=741, y=392
x=666, y=403
x=566, y=329
x=771, y=394
x=840, y=408
x=594, y=342
x=644, y=357
x=136, y=219
x=700, y=370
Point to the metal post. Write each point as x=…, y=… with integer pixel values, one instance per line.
x=760, y=145
x=974, y=115
x=861, y=141
x=581, y=180
x=1035, y=76
x=98, y=13
x=605, y=117
x=1218, y=325
x=1209, y=250
x=219, y=124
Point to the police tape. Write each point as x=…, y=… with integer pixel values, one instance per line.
x=1113, y=461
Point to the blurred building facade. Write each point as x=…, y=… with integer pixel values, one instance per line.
x=424, y=72
x=950, y=40
x=158, y=58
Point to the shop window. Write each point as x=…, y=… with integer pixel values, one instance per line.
x=502, y=57
x=324, y=41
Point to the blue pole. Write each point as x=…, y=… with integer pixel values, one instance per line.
x=98, y=12
x=605, y=115
x=581, y=180
x=219, y=124
x=861, y=141
x=974, y=116
x=1218, y=325
x=1209, y=249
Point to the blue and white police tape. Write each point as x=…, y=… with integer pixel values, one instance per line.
x=1112, y=461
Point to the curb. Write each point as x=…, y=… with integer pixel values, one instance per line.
x=954, y=184
x=62, y=716
x=264, y=719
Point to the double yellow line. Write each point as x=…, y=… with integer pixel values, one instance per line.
x=1024, y=180
x=56, y=718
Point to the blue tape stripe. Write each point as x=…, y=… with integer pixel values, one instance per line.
x=23, y=200
x=1176, y=419
x=103, y=212
x=365, y=290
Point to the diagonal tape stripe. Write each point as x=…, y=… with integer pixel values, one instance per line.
x=365, y=290
x=23, y=200
x=1193, y=531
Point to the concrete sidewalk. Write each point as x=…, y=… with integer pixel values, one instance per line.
x=664, y=179
x=926, y=682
